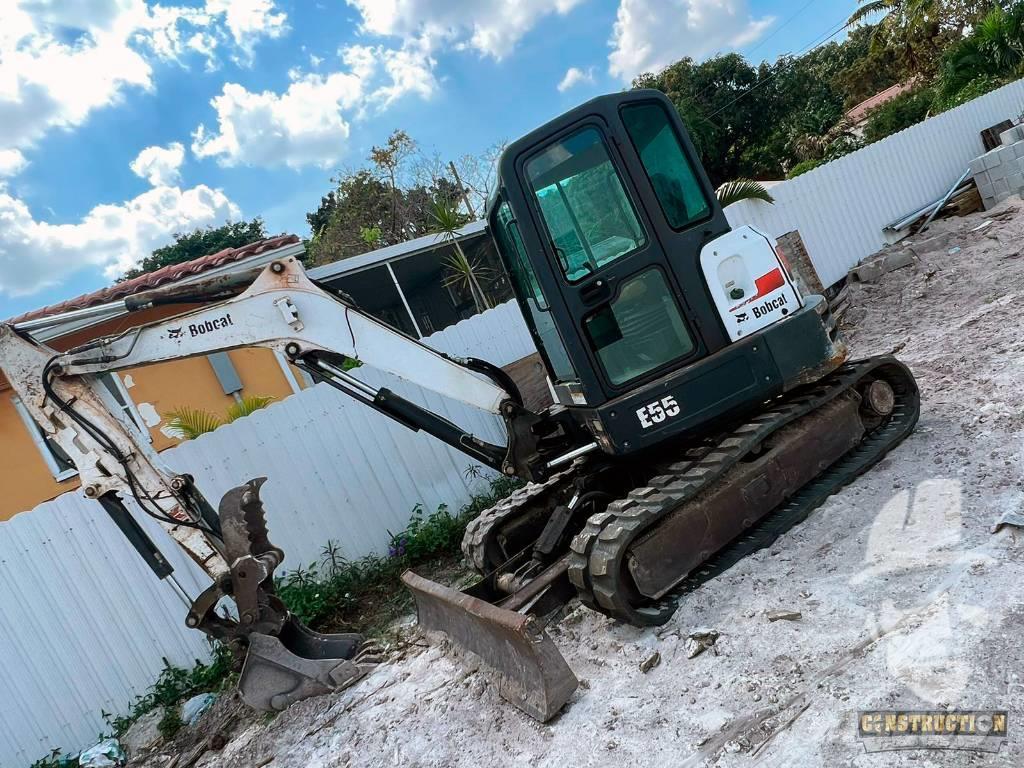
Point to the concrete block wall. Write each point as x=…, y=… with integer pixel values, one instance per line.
x=1000, y=173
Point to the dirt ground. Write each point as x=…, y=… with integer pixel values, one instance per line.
x=907, y=599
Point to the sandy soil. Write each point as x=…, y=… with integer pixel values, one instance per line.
x=908, y=600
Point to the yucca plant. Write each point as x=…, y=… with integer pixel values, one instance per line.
x=462, y=271
x=247, y=405
x=742, y=189
x=189, y=423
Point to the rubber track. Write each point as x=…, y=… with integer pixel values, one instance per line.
x=478, y=533
x=597, y=559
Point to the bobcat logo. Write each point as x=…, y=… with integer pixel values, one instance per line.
x=174, y=333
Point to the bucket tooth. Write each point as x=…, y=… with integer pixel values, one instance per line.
x=300, y=663
x=532, y=673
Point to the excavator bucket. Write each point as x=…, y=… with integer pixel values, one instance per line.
x=285, y=661
x=300, y=663
x=532, y=673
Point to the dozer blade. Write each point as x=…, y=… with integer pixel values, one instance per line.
x=532, y=673
x=300, y=663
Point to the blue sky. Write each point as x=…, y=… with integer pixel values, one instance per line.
x=122, y=122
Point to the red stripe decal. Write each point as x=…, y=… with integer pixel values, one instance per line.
x=769, y=282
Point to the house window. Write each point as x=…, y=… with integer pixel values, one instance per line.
x=128, y=413
x=58, y=462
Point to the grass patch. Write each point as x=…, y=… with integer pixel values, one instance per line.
x=174, y=685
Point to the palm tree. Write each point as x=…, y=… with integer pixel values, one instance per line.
x=189, y=423
x=462, y=271
x=742, y=189
x=917, y=30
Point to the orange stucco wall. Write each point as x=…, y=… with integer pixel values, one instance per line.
x=25, y=479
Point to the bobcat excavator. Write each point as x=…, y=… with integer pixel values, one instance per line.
x=702, y=406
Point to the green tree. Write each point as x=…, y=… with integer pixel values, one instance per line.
x=200, y=242
x=905, y=110
x=389, y=201
x=742, y=189
x=992, y=54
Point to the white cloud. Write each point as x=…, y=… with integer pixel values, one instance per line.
x=650, y=34
x=61, y=60
x=47, y=83
x=12, y=162
x=309, y=123
x=161, y=166
x=575, y=76
x=249, y=21
x=492, y=28
x=36, y=254
x=410, y=70
x=173, y=32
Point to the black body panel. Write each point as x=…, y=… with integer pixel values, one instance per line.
x=727, y=385
x=590, y=252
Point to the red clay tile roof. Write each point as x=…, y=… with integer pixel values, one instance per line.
x=162, y=276
x=858, y=113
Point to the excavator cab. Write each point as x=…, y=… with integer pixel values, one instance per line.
x=651, y=316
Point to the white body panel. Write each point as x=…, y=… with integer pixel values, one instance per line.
x=749, y=285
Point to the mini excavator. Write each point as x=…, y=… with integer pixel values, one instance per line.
x=702, y=406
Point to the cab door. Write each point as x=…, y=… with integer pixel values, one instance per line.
x=616, y=281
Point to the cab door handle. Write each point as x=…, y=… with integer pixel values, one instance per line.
x=595, y=292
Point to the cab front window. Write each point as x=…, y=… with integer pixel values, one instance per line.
x=589, y=219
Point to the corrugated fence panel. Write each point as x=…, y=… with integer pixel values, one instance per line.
x=840, y=208
x=499, y=336
x=337, y=469
x=85, y=624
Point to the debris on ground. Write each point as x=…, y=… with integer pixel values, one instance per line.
x=909, y=600
x=650, y=662
x=144, y=734
x=193, y=709
x=107, y=754
x=872, y=268
x=699, y=641
x=1013, y=517
x=784, y=615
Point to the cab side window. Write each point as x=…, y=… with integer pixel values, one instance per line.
x=672, y=176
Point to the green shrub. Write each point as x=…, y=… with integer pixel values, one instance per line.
x=56, y=760
x=899, y=113
x=170, y=723
x=979, y=86
x=175, y=684
x=804, y=167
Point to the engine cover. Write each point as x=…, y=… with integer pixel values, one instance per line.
x=749, y=285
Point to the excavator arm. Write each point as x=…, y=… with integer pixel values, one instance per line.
x=280, y=309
